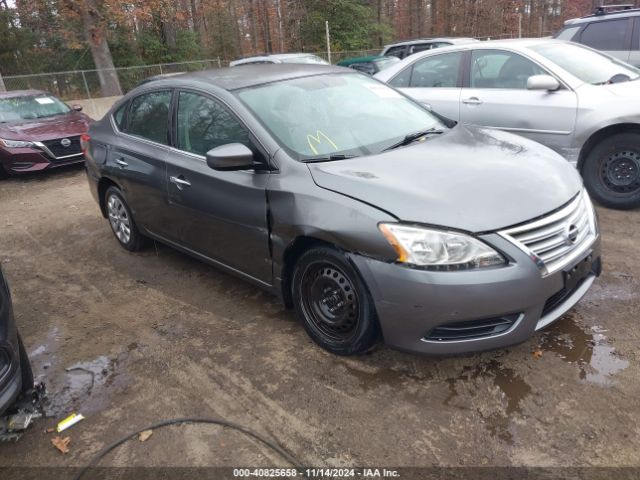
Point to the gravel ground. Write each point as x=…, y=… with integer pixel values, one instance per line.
x=158, y=335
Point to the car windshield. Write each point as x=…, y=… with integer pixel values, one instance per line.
x=337, y=114
x=589, y=66
x=30, y=107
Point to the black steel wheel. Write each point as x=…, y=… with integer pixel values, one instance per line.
x=333, y=303
x=612, y=171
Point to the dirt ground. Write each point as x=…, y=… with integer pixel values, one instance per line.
x=158, y=335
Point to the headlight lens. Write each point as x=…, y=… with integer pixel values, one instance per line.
x=15, y=143
x=439, y=250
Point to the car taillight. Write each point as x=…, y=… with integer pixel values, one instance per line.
x=84, y=142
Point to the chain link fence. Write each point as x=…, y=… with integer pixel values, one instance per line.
x=85, y=84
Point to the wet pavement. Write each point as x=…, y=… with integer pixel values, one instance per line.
x=131, y=339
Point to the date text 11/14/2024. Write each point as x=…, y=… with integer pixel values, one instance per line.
x=365, y=473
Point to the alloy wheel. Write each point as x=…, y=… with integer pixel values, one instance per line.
x=119, y=219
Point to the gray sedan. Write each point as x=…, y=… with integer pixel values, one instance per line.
x=583, y=104
x=368, y=215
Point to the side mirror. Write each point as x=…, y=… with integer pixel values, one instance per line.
x=233, y=156
x=76, y=108
x=542, y=82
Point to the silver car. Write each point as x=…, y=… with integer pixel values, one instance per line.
x=280, y=58
x=583, y=104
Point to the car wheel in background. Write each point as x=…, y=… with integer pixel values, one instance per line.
x=25, y=367
x=121, y=220
x=333, y=303
x=3, y=172
x=612, y=171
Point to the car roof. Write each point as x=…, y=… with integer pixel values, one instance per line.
x=610, y=15
x=21, y=93
x=453, y=40
x=515, y=43
x=249, y=75
x=267, y=57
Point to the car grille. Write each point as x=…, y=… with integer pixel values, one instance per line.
x=558, y=239
x=60, y=151
x=471, y=329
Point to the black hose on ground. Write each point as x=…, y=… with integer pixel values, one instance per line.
x=224, y=423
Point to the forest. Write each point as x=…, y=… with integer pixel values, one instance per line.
x=56, y=35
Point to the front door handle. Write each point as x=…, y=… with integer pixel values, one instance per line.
x=180, y=182
x=122, y=163
x=472, y=101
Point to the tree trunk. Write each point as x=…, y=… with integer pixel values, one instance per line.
x=198, y=24
x=2, y=86
x=95, y=36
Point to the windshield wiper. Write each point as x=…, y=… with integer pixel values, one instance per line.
x=412, y=137
x=329, y=158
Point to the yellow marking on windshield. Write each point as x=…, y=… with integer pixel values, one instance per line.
x=317, y=139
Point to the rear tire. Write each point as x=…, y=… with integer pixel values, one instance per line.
x=611, y=171
x=121, y=221
x=25, y=367
x=332, y=302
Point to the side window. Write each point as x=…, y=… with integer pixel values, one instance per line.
x=439, y=71
x=204, y=123
x=420, y=47
x=149, y=116
x=401, y=80
x=501, y=69
x=395, y=52
x=119, y=116
x=609, y=35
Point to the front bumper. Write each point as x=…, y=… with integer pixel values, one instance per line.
x=411, y=303
x=24, y=160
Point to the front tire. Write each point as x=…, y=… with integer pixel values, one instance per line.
x=612, y=171
x=121, y=221
x=333, y=303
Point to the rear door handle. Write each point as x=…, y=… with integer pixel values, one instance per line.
x=180, y=182
x=472, y=101
x=122, y=163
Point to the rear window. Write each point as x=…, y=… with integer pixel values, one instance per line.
x=609, y=35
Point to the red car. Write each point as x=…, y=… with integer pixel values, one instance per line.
x=38, y=131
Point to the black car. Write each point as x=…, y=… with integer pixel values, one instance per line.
x=15, y=369
x=613, y=29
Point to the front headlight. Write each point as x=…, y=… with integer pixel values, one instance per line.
x=15, y=143
x=439, y=250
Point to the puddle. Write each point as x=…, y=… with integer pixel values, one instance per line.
x=512, y=387
x=86, y=387
x=585, y=347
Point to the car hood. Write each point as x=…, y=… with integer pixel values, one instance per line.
x=71, y=124
x=476, y=180
x=625, y=89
